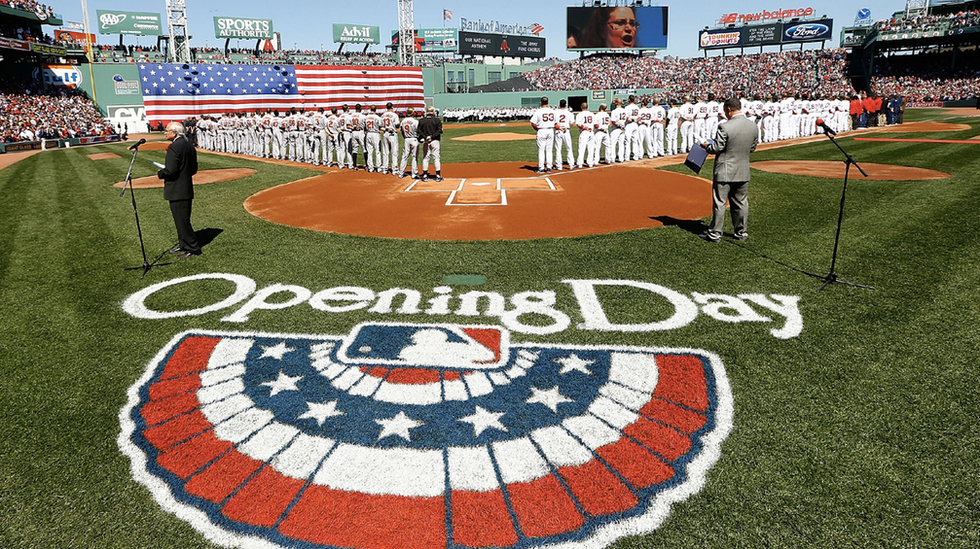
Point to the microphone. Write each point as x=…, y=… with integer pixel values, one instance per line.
x=825, y=127
x=137, y=144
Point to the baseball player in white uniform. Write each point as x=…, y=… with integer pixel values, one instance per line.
x=602, y=139
x=671, y=127
x=644, y=120
x=658, y=117
x=631, y=137
x=687, y=112
x=563, y=135
x=585, y=121
x=543, y=120
x=701, y=121
x=617, y=135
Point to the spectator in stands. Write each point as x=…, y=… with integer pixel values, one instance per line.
x=857, y=113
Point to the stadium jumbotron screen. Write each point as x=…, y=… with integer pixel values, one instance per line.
x=617, y=28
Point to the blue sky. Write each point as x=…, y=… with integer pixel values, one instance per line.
x=309, y=24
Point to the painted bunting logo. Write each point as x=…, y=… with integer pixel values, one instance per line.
x=415, y=436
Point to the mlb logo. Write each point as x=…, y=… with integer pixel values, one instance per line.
x=423, y=436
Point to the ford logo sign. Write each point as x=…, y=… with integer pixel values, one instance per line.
x=811, y=30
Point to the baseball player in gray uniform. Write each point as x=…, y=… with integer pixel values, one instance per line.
x=409, y=127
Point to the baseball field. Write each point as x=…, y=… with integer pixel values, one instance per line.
x=837, y=418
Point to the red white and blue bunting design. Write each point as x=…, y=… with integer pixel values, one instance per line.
x=406, y=436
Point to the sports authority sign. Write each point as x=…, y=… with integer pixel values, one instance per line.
x=243, y=28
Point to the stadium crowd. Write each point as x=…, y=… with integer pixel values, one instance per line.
x=487, y=114
x=927, y=77
x=41, y=10
x=792, y=72
x=29, y=113
x=934, y=22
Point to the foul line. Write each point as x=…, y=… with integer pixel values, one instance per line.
x=973, y=142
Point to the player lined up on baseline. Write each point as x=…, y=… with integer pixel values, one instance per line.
x=649, y=130
x=332, y=137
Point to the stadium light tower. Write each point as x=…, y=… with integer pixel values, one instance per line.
x=180, y=49
x=916, y=8
x=406, y=33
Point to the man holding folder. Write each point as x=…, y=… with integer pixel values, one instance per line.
x=735, y=139
x=178, y=188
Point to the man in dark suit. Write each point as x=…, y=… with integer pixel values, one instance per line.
x=178, y=187
x=735, y=139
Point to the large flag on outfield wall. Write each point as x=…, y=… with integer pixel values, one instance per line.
x=176, y=91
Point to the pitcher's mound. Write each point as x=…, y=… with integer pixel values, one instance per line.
x=835, y=170
x=502, y=136
x=202, y=177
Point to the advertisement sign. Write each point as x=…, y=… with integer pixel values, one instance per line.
x=501, y=45
x=74, y=36
x=240, y=27
x=761, y=35
x=432, y=40
x=356, y=34
x=44, y=49
x=765, y=35
x=125, y=87
x=14, y=44
x=496, y=27
x=809, y=31
x=129, y=22
x=68, y=76
x=764, y=15
x=720, y=38
x=617, y=28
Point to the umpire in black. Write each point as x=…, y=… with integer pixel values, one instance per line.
x=178, y=188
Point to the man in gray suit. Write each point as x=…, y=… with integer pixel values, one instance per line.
x=735, y=139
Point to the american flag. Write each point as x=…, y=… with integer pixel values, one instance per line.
x=178, y=91
x=447, y=15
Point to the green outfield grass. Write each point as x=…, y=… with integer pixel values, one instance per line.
x=860, y=432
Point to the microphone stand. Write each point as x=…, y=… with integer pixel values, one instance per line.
x=146, y=266
x=831, y=277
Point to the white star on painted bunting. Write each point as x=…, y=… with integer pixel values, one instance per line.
x=573, y=363
x=320, y=411
x=276, y=351
x=550, y=398
x=397, y=426
x=481, y=420
x=282, y=383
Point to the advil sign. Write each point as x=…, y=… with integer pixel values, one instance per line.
x=356, y=34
